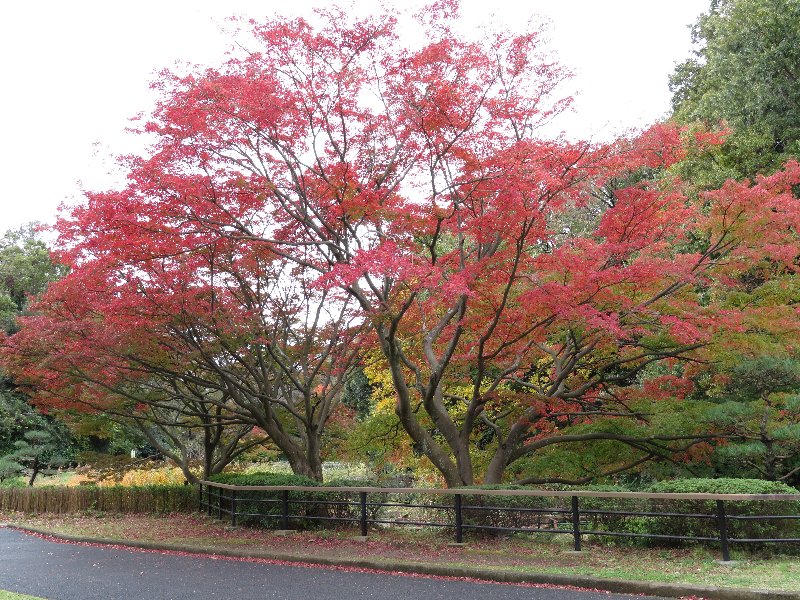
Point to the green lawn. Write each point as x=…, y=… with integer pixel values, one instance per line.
x=12, y=596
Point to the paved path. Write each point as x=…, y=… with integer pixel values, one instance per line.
x=59, y=571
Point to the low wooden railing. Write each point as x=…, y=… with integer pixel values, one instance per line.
x=355, y=505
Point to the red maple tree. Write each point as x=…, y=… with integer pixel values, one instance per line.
x=208, y=337
x=512, y=283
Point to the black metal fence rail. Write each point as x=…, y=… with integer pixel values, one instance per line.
x=292, y=506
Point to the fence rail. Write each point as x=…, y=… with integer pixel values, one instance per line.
x=375, y=506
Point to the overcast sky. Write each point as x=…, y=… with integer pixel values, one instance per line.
x=74, y=72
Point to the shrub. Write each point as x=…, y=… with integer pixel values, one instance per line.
x=597, y=514
x=345, y=471
x=603, y=514
x=507, y=512
x=500, y=513
x=746, y=528
x=258, y=507
x=331, y=470
x=722, y=486
x=348, y=508
x=307, y=507
x=264, y=478
x=148, y=477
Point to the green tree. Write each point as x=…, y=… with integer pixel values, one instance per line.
x=357, y=393
x=760, y=409
x=29, y=441
x=16, y=417
x=26, y=269
x=39, y=451
x=745, y=72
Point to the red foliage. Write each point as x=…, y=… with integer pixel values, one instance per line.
x=412, y=181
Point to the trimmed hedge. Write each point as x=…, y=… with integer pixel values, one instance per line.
x=281, y=479
x=510, y=511
x=526, y=512
x=309, y=509
x=162, y=499
x=737, y=528
x=600, y=514
x=540, y=512
x=721, y=486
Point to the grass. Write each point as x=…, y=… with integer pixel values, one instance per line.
x=4, y=595
x=521, y=554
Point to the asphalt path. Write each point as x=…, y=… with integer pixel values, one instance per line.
x=64, y=571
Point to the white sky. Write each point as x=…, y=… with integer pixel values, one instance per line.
x=73, y=73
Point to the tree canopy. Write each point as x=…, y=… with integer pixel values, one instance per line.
x=333, y=191
x=30, y=441
x=26, y=269
x=745, y=73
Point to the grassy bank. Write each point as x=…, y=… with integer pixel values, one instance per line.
x=4, y=595
x=520, y=554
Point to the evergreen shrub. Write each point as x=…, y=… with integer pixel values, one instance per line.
x=750, y=527
x=308, y=508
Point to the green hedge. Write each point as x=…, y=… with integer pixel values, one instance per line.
x=721, y=486
x=597, y=514
x=310, y=509
x=509, y=511
x=600, y=514
x=160, y=499
x=515, y=511
x=708, y=527
x=280, y=479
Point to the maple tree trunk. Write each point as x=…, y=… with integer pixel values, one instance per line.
x=454, y=474
x=208, y=452
x=302, y=451
x=464, y=461
x=497, y=467
x=427, y=445
x=190, y=477
x=301, y=466
x=313, y=456
x=303, y=461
